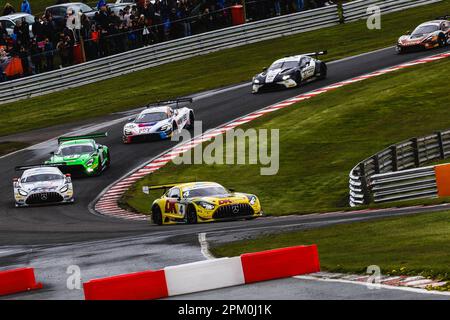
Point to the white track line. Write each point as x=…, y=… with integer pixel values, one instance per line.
x=204, y=246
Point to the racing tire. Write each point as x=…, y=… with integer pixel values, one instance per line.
x=191, y=215
x=157, y=216
x=191, y=121
x=298, y=79
x=125, y=140
x=442, y=41
x=323, y=71
x=99, y=169
x=174, y=128
x=399, y=50
x=108, y=161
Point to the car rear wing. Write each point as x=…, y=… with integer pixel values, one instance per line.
x=147, y=189
x=34, y=166
x=316, y=54
x=446, y=17
x=169, y=102
x=88, y=136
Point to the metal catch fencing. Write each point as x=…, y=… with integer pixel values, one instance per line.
x=188, y=47
x=374, y=179
x=404, y=185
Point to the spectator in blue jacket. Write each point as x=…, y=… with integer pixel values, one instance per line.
x=101, y=3
x=25, y=7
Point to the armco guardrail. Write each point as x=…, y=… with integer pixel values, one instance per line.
x=367, y=179
x=404, y=185
x=165, y=52
x=184, y=48
x=356, y=10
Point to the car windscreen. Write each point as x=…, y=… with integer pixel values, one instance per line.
x=425, y=30
x=284, y=65
x=205, y=192
x=76, y=149
x=42, y=177
x=151, y=117
x=28, y=19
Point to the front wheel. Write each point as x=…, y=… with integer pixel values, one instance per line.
x=399, y=50
x=108, y=159
x=323, y=71
x=157, y=216
x=125, y=139
x=191, y=121
x=442, y=41
x=99, y=168
x=191, y=215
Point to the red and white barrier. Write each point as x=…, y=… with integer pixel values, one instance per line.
x=280, y=263
x=18, y=280
x=144, y=285
x=206, y=275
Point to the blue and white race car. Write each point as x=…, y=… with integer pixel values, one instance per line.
x=290, y=72
x=158, y=121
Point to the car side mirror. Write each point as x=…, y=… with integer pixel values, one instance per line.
x=264, y=69
x=231, y=189
x=52, y=153
x=408, y=32
x=131, y=119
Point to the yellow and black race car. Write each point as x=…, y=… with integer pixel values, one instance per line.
x=197, y=202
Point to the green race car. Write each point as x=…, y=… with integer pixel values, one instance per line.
x=81, y=155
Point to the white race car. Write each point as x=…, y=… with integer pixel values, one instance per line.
x=42, y=184
x=290, y=72
x=158, y=121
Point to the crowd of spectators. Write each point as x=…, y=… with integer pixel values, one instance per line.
x=46, y=45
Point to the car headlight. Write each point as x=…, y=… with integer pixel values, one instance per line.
x=127, y=131
x=252, y=200
x=22, y=192
x=255, y=81
x=90, y=162
x=285, y=77
x=64, y=188
x=206, y=205
x=166, y=127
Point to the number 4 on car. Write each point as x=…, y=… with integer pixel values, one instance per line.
x=197, y=202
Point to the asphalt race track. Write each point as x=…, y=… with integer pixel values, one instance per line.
x=54, y=237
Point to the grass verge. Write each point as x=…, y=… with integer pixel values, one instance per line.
x=411, y=245
x=321, y=139
x=204, y=72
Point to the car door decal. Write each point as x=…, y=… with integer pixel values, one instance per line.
x=170, y=206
